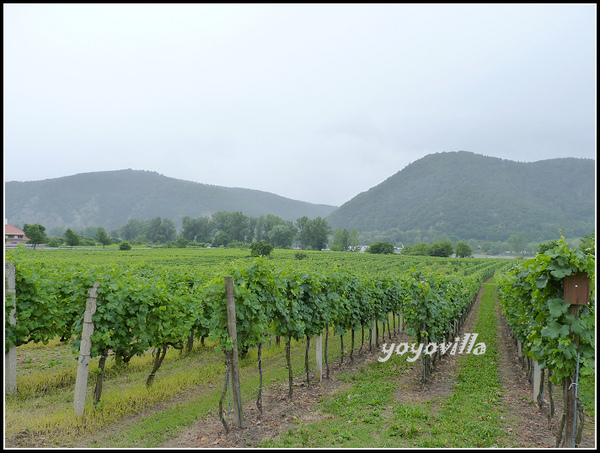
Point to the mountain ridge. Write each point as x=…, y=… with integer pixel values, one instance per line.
x=458, y=195
x=110, y=198
x=464, y=195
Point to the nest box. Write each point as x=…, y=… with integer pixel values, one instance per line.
x=577, y=289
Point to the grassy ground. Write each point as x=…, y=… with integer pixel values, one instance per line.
x=189, y=385
x=366, y=414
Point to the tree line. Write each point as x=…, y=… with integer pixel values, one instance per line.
x=223, y=228
x=231, y=229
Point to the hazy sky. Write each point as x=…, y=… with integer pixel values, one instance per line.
x=315, y=102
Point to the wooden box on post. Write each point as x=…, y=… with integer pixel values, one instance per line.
x=577, y=289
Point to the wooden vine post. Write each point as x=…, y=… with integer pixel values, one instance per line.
x=424, y=358
x=83, y=366
x=10, y=372
x=235, y=366
x=576, y=292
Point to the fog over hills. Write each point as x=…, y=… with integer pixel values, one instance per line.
x=458, y=195
x=109, y=198
x=470, y=196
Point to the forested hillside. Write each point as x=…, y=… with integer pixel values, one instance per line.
x=457, y=195
x=469, y=196
x=109, y=198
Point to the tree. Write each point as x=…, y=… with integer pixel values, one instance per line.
x=89, y=232
x=313, y=233
x=282, y=236
x=517, y=243
x=72, y=238
x=219, y=220
x=159, y=230
x=221, y=239
x=421, y=249
x=55, y=242
x=237, y=226
x=381, y=247
x=341, y=240
x=181, y=243
x=588, y=244
x=463, y=250
x=262, y=227
x=102, y=237
x=493, y=248
x=353, y=241
x=442, y=248
x=198, y=229
x=36, y=234
x=132, y=229
x=141, y=239
x=124, y=245
x=260, y=248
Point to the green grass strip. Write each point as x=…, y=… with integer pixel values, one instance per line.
x=367, y=415
x=155, y=429
x=472, y=416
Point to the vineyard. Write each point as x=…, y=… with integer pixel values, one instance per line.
x=156, y=308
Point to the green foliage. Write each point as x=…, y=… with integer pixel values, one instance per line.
x=341, y=240
x=114, y=198
x=470, y=196
x=151, y=304
x=442, y=248
x=124, y=245
x=300, y=255
x=159, y=230
x=531, y=294
x=260, y=248
x=463, y=250
x=102, y=237
x=313, y=233
x=198, y=229
x=55, y=242
x=420, y=249
x=547, y=246
x=36, y=233
x=221, y=239
x=588, y=244
x=517, y=243
x=72, y=238
x=37, y=311
x=381, y=248
x=182, y=243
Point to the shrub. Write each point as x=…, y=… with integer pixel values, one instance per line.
x=182, y=243
x=300, y=255
x=463, y=250
x=260, y=248
x=54, y=242
x=124, y=245
x=381, y=247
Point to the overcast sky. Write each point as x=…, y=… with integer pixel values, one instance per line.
x=309, y=101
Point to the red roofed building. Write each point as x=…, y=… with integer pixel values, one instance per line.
x=12, y=235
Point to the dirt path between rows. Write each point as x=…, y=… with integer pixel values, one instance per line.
x=524, y=420
x=279, y=414
x=531, y=421
x=527, y=422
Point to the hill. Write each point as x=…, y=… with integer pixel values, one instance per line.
x=462, y=195
x=110, y=198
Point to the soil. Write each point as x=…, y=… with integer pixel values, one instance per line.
x=526, y=420
x=529, y=422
